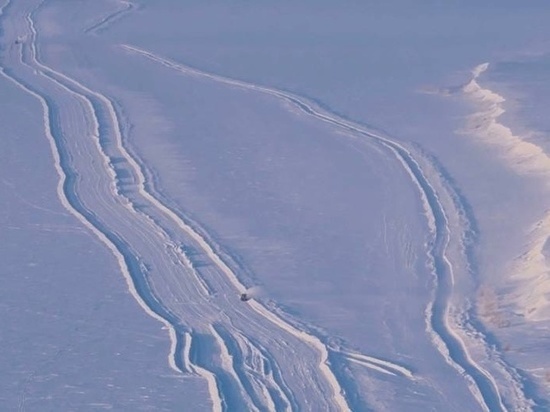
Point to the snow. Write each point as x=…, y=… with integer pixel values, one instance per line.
x=375, y=176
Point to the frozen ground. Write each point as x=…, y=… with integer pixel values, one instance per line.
x=380, y=172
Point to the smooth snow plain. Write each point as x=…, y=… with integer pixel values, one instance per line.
x=377, y=174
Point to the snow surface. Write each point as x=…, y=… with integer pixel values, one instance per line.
x=375, y=175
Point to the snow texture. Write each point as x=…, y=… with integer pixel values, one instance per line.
x=149, y=178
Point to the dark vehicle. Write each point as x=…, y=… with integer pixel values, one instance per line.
x=245, y=297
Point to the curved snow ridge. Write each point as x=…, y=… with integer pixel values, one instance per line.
x=482, y=385
x=110, y=18
x=439, y=321
x=523, y=156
